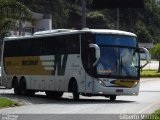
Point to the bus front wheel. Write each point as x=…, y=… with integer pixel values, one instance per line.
x=75, y=91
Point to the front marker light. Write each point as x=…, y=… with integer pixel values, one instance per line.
x=100, y=92
x=101, y=82
x=135, y=84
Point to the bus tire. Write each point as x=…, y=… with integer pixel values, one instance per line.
x=23, y=89
x=75, y=91
x=112, y=97
x=16, y=86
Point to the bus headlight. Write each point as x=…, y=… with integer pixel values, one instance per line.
x=135, y=84
x=101, y=82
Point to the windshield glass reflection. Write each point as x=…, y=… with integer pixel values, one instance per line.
x=116, y=60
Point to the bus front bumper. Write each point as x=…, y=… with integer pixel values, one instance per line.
x=103, y=90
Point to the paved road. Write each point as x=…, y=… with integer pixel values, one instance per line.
x=147, y=101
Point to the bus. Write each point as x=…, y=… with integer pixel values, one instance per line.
x=89, y=62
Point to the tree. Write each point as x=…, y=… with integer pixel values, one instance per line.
x=151, y=18
x=67, y=14
x=143, y=34
x=11, y=10
x=59, y=12
x=156, y=52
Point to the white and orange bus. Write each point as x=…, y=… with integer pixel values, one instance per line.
x=86, y=62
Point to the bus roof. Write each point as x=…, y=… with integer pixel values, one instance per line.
x=108, y=31
x=70, y=31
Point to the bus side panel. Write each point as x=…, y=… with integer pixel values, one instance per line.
x=39, y=82
x=6, y=80
x=73, y=70
x=89, y=84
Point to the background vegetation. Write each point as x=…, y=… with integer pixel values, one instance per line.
x=10, y=11
x=149, y=73
x=66, y=14
x=5, y=102
x=156, y=52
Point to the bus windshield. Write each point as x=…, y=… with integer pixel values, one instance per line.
x=118, y=56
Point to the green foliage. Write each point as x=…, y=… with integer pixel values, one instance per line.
x=149, y=73
x=59, y=12
x=4, y=102
x=67, y=14
x=156, y=51
x=96, y=15
x=78, y=2
x=143, y=34
x=10, y=10
x=96, y=19
x=5, y=25
x=153, y=116
x=151, y=18
x=144, y=22
x=13, y=8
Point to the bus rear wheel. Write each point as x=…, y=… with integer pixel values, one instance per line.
x=16, y=86
x=23, y=88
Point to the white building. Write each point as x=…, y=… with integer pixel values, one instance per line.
x=39, y=22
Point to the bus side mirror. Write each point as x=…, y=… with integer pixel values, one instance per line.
x=97, y=52
x=146, y=56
